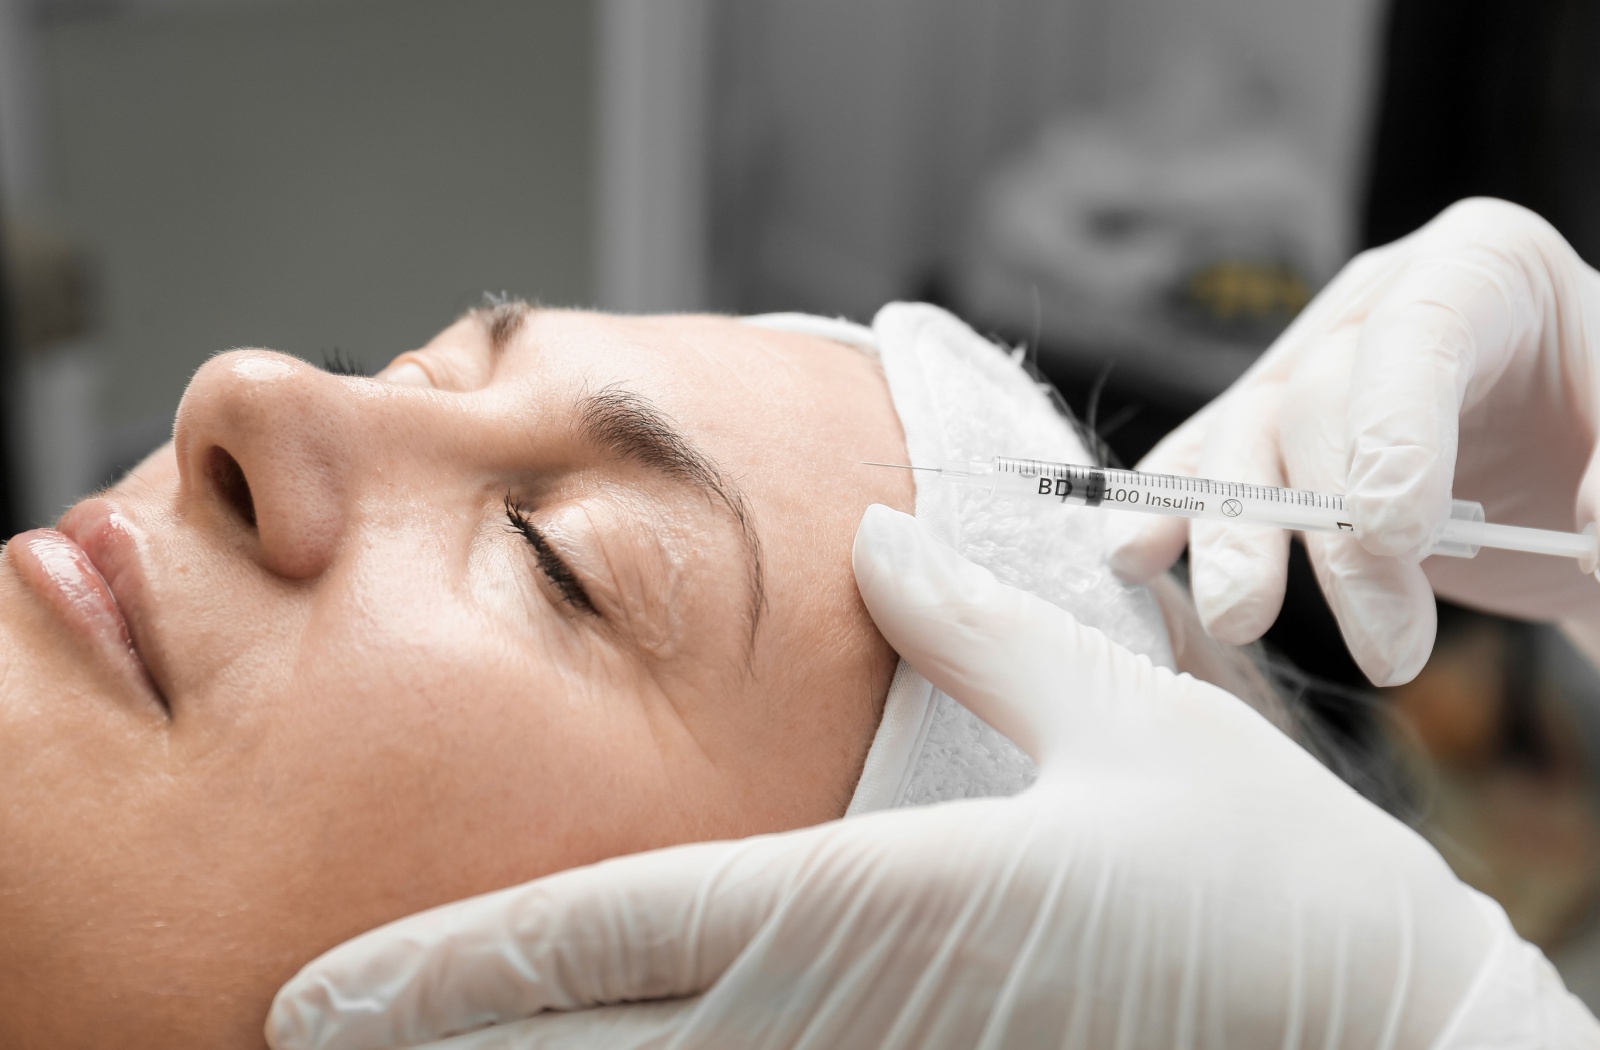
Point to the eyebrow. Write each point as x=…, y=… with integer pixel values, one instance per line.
x=502, y=318
x=634, y=428
x=630, y=427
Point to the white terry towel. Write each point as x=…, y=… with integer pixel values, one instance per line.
x=960, y=397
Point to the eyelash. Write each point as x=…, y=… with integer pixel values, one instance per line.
x=562, y=578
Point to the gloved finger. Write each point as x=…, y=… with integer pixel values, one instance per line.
x=1147, y=545
x=1587, y=374
x=1091, y=712
x=1345, y=300
x=632, y=928
x=1473, y=297
x=1587, y=511
x=1009, y=656
x=623, y=1026
x=1384, y=605
x=1238, y=572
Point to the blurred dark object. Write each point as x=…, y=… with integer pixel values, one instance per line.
x=50, y=390
x=49, y=287
x=1501, y=730
x=10, y=408
x=1495, y=98
x=1178, y=253
x=1307, y=635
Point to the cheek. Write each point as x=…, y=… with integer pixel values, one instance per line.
x=411, y=769
x=123, y=897
x=415, y=748
x=502, y=584
x=423, y=773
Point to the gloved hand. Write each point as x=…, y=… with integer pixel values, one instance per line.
x=1459, y=359
x=1180, y=874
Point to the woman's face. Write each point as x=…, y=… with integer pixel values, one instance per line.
x=556, y=587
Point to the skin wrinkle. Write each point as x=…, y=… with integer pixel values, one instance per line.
x=671, y=636
x=646, y=603
x=663, y=592
x=629, y=427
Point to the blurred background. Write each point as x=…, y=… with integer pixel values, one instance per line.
x=1144, y=192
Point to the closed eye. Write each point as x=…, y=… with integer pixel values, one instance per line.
x=560, y=575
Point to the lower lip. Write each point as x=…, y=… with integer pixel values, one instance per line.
x=60, y=571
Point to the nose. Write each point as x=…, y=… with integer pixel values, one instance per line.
x=269, y=447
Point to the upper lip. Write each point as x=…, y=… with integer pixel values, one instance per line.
x=113, y=541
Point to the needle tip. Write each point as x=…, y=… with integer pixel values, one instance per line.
x=896, y=466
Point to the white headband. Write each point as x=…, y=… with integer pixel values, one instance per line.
x=961, y=397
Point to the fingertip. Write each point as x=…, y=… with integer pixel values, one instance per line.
x=1239, y=624
x=879, y=539
x=345, y=1000
x=1385, y=608
x=1396, y=660
x=297, y=1017
x=878, y=523
x=1588, y=510
x=996, y=649
x=281, y=1033
x=1146, y=549
x=1133, y=562
x=1237, y=595
x=1397, y=675
x=909, y=579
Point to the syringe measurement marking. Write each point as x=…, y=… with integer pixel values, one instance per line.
x=1100, y=482
x=1461, y=536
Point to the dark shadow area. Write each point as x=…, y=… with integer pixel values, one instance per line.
x=1496, y=98
x=10, y=454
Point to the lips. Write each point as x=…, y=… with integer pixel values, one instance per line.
x=88, y=570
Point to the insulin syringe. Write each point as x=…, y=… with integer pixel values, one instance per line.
x=1461, y=535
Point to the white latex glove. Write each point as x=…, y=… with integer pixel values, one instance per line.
x=1460, y=359
x=1181, y=874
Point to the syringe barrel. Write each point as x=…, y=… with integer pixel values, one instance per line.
x=1460, y=536
x=1151, y=493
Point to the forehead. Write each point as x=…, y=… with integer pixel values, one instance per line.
x=740, y=391
x=691, y=357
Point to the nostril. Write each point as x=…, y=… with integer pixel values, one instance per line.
x=228, y=477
